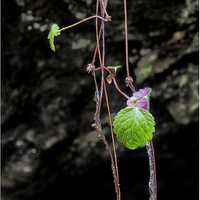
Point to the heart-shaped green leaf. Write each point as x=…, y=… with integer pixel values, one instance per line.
x=134, y=127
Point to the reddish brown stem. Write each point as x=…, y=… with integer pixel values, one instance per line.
x=84, y=20
x=113, y=78
x=113, y=166
x=129, y=79
x=114, y=150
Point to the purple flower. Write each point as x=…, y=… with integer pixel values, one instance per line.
x=140, y=99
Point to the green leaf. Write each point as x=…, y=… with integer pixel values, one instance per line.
x=114, y=67
x=54, y=31
x=134, y=127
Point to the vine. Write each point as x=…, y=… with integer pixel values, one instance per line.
x=133, y=125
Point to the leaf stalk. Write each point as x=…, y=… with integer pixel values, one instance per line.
x=84, y=20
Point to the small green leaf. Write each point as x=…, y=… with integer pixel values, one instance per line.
x=54, y=31
x=114, y=67
x=134, y=127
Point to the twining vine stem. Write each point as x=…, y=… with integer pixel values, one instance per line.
x=152, y=169
x=149, y=145
x=103, y=86
x=98, y=98
x=88, y=18
x=113, y=78
x=129, y=79
x=114, y=166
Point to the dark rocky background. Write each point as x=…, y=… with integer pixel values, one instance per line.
x=49, y=149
